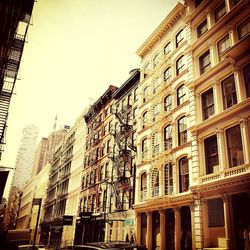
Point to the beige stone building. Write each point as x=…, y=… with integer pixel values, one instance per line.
x=193, y=133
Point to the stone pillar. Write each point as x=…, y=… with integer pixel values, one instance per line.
x=149, y=230
x=192, y=226
x=213, y=57
x=209, y=21
x=218, y=107
x=238, y=88
x=163, y=229
x=228, y=229
x=120, y=235
x=221, y=148
x=138, y=228
x=177, y=213
x=245, y=140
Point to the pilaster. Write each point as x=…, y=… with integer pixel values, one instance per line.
x=149, y=230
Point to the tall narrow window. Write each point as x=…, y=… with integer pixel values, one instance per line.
x=234, y=146
x=220, y=12
x=229, y=92
x=202, y=28
x=167, y=49
x=144, y=149
x=179, y=38
x=167, y=74
x=169, y=184
x=168, y=103
x=244, y=28
x=180, y=65
x=143, y=186
x=207, y=104
x=155, y=182
x=168, y=137
x=145, y=94
x=182, y=130
x=136, y=94
x=181, y=94
x=224, y=44
x=205, y=63
x=183, y=174
x=144, y=119
x=211, y=154
x=246, y=71
x=156, y=84
x=156, y=59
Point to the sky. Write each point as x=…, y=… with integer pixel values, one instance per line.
x=75, y=50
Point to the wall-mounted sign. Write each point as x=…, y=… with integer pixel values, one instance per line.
x=68, y=220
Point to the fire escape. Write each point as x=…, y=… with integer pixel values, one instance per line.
x=15, y=20
x=122, y=182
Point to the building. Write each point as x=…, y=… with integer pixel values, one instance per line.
x=221, y=85
x=94, y=203
x=22, y=173
x=192, y=189
x=15, y=19
x=121, y=215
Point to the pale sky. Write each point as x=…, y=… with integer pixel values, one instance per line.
x=75, y=50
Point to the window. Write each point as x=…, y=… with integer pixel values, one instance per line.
x=220, y=12
x=229, y=92
x=168, y=137
x=169, y=184
x=198, y=2
x=181, y=94
x=144, y=148
x=215, y=213
x=167, y=74
x=146, y=68
x=129, y=99
x=168, y=103
x=143, y=186
x=183, y=174
x=244, y=28
x=134, y=114
x=145, y=94
x=156, y=85
x=144, y=119
x=167, y=48
x=136, y=94
x=224, y=44
x=246, y=71
x=179, y=38
x=202, y=28
x=236, y=1
x=234, y=146
x=155, y=182
x=207, y=104
x=156, y=59
x=205, y=63
x=182, y=130
x=211, y=154
x=180, y=65
x=155, y=143
x=110, y=125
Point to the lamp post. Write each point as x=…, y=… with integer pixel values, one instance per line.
x=36, y=201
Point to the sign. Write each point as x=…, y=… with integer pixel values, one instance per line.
x=85, y=215
x=36, y=201
x=129, y=222
x=68, y=220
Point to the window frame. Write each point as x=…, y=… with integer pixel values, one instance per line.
x=183, y=174
x=220, y=8
x=225, y=42
x=168, y=137
x=182, y=130
x=208, y=109
x=230, y=97
x=167, y=48
x=168, y=70
x=168, y=102
x=179, y=38
x=205, y=62
x=181, y=94
x=180, y=67
x=244, y=24
x=200, y=28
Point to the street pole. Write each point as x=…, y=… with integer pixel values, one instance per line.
x=38, y=202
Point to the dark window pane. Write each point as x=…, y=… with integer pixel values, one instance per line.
x=220, y=12
x=202, y=28
x=229, y=92
x=244, y=28
x=182, y=130
x=207, y=104
x=183, y=174
x=205, y=63
x=215, y=213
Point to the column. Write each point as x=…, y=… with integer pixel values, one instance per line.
x=137, y=191
x=239, y=89
x=163, y=229
x=229, y=5
x=177, y=213
x=192, y=226
x=209, y=21
x=107, y=232
x=213, y=58
x=120, y=235
x=228, y=230
x=138, y=228
x=218, y=105
x=149, y=230
x=245, y=139
x=221, y=149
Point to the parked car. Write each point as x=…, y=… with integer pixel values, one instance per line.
x=109, y=246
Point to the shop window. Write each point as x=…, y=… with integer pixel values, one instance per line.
x=180, y=65
x=202, y=28
x=244, y=28
x=224, y=44
x=168, y=174
x=207, y=104
x=211, y=154
x=168, y=103
x=234, y=146
x=205, y=62
x=246, y=71
x=179, y=38
x=215, y=213
x=229, y=92
x=182, y=130
x=181, y=94
x=220, y=12
x=183, y=174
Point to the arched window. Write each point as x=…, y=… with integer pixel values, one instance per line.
x=155, y=143
x=143, y=194
x=179, y=38
x=144, y=119
x=168, y=103
x=168, y=174
x=183, y=174
x=156, y=59
x=180, y=65
x=167, y=48
x=145, y=94
x=182, y=130
x=168, y=137
x=181, y=94
x=167, y=74
x=154, y=182
x=144, y=149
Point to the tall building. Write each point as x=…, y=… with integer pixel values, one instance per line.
x=193, y=181
x=23, y=169
x=94, y=202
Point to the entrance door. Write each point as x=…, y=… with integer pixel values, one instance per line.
x=241, y=208
x=170, y=225
x=186, y=235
